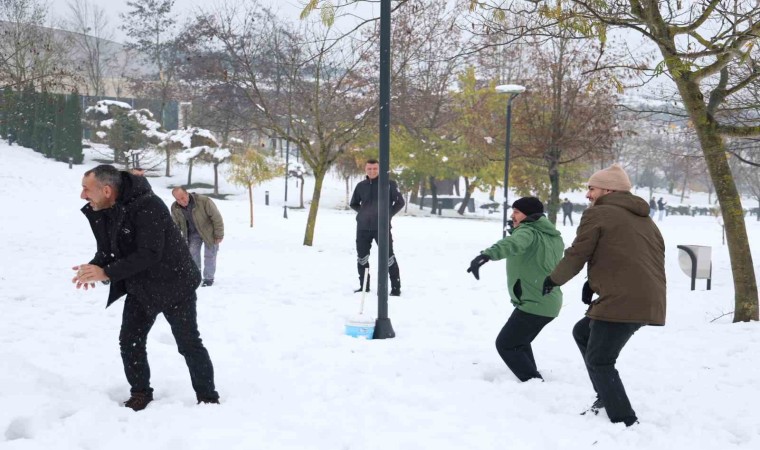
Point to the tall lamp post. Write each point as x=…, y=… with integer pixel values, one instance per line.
x=287, y=172
x=512, y=90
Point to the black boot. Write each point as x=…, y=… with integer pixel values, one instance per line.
x=395, y=287
x=362, y=284
x=594, y=408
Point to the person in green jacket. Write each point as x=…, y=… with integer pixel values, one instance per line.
x=532, y=251
x=201, y=224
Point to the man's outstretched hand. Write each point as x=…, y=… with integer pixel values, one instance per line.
x=476, y=263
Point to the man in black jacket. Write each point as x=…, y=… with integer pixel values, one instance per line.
x=364, y=202
x=567, y=212
x=140, y=252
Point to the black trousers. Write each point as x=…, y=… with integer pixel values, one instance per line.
x=600, y=344
x=364, y=240
x=136, y=322
x=513, y=343
x=566, y=216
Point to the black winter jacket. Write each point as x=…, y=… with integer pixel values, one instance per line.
x=141, y=249
x=364, y=202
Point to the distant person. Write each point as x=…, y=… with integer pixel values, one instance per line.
x=625, y=254
x=364, y=202
x=201, y=224
x=661, y=207
x=652, y=207
x=567, y=212
x=532, y=251
x=141, y=254
x=140, y=172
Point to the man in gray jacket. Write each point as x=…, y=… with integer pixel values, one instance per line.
x=201, y=224
x=625, y=254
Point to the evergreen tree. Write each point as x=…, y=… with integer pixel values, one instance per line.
x=59, y=129
x=12, y=105
x=26, y=116
x=5, y=112
x=73, y=130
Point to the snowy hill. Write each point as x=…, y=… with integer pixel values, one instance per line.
x=290, y=379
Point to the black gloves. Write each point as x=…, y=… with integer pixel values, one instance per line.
x=476, y=263
x=587, y=294
x=548, y=285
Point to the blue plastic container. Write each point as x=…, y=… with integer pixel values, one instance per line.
x=363, y=330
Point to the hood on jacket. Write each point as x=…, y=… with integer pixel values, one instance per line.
x=132, y=187
x=625, y=200
x=539, y=222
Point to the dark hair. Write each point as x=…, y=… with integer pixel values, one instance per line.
x=107, y=175
x=373, y=161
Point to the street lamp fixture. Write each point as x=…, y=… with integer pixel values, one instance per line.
x=513, y=90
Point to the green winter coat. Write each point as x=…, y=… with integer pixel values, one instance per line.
x=532, y=252
x=206, y=218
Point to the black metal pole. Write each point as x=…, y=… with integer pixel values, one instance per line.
x=287, y=168
x=383, y=327
x=506, y=165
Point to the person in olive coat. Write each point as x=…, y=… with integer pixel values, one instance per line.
x=201, y=224
x=141, y=253
x=532, y=251
x=625, y=254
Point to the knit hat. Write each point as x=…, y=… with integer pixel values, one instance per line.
x=612, y=178
x=528, y=206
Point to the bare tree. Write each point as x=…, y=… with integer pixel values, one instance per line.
x=93, y=43
x=565, y=116
x=333, y=95
x=29, y=51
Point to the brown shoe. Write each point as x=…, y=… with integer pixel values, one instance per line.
x=139, y=401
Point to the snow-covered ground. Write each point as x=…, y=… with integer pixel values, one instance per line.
x=290, y=379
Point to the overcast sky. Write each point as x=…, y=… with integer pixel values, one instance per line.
x=59, y=9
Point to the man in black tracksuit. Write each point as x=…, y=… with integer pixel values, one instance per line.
x=141, y=253
x=364, y=202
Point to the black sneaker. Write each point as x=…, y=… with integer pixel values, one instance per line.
x=139, y=401
x=207, y=401
x=207, y=283
x=595, y=407
x=395, y=292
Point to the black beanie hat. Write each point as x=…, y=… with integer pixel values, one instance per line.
x=528, y=206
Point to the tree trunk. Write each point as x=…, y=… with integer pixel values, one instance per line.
x=311, y=222
x=554, y=189
x=456, y=188
x=348, y=188
x=492, y=194
x=434, y=195
x=685, y=181
x=468, y=190
x=302, y=184
x=216, y=178
x=250, y=201
x=713, y=148
x=423, y=190
x=168, y=162
x=189, y=174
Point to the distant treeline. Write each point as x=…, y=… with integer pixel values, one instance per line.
x=48, y=123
